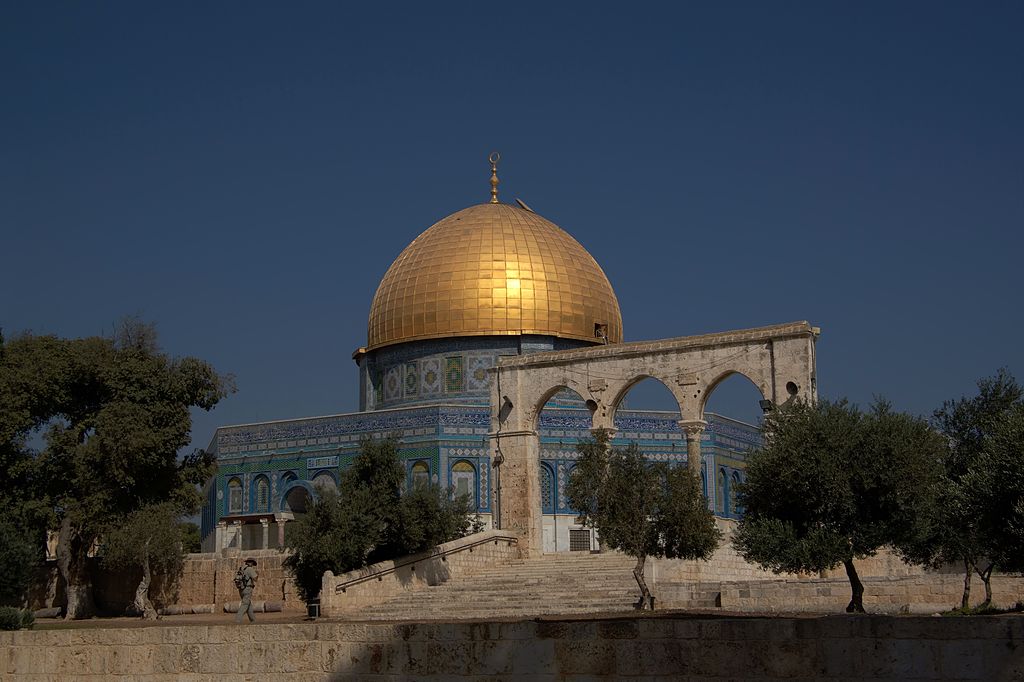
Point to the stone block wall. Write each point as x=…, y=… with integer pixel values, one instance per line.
x=205, y=579
x=374, y=584
x=908, y=594
x=846, y=647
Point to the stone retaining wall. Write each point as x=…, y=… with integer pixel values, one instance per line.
x=862, y=648
x=205, y=579
x=911, y=594
x=726, y=564
x=352, y=591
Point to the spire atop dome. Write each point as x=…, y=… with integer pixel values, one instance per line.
x=494, y=158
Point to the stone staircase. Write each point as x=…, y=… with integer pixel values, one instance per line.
x=555, y=584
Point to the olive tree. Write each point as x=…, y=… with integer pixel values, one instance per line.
x=371, y=518
x=113, y=413
x=643, y=509
x=831, y=485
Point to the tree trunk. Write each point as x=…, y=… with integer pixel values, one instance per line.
x=646, y=601
x=856, y=604
x=142, y=604
x=965, y=600
x=72, y=551
x=986, y=578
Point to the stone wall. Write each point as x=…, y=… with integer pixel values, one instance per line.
x=205, y=579
x=674, y=580
x=862, y=648
x=906, y=594
x=371, y=585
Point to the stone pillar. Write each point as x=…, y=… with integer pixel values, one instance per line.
x=520, y=488
x=221, y=536
x=266, y=533
x=237, y=526
x=693, y=428
x=280, y=532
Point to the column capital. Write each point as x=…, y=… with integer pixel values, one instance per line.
x=692, y=427
x=264, y=522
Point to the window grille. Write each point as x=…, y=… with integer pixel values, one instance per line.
x=262, y=494
x=547, y=490
x=234, y=496
x=579, y=540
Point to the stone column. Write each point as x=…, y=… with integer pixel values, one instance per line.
x=280, y=532
x=520, y=488
x=237, y=526
x=221, y=537
x=266, y=533
x=693, y=428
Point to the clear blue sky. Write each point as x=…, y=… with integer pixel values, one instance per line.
x=244, y=173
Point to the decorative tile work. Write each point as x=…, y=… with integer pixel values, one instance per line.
x=453, y=375
x=476, y=372
x=485, y=487
x=563, y=477
x=393, y=383
x=412, y=380
x=430, y=377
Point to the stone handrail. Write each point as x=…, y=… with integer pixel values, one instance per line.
x=443, y=551
x=370, y=585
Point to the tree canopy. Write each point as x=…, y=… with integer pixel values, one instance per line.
x=370, y=519
x=643, y=509
x=832, y=484
x=113, y=414
x=150, y=539
x=970, y=525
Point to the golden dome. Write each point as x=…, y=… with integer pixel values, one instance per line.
x=492, y=270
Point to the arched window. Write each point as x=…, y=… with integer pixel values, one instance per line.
x=733, y=480
x=287, y=477
x=234, y=496
x=464, y=480
x=721, y=493
x=420, y=475
x=262, y=487
x=324, y=481
x=547, y=489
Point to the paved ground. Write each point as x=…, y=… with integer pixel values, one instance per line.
x=299, y=617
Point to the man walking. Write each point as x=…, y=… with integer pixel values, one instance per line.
x=245, y=581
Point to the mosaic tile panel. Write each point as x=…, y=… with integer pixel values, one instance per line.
x=430, y=377
x=393, y=383
x=453, y=375
x=476, y=372
x=412, y=380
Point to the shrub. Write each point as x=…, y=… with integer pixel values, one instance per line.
x=15, y=619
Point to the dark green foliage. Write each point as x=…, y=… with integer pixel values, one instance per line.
x=998, y=490
x=369, y=520
x=643, y=509
x=113, y=412
x=977, y=512
x=15, y=619
x=832, y=484
x=190, y=540
x=149, y=539
x=19, y=557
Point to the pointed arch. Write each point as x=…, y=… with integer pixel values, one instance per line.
x=763, y=390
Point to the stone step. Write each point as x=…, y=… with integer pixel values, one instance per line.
x=549, y=585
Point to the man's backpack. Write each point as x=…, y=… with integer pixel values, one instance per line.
x=240, y=579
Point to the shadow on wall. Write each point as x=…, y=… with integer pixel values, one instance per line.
x=113, y=589
x=673, y=647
